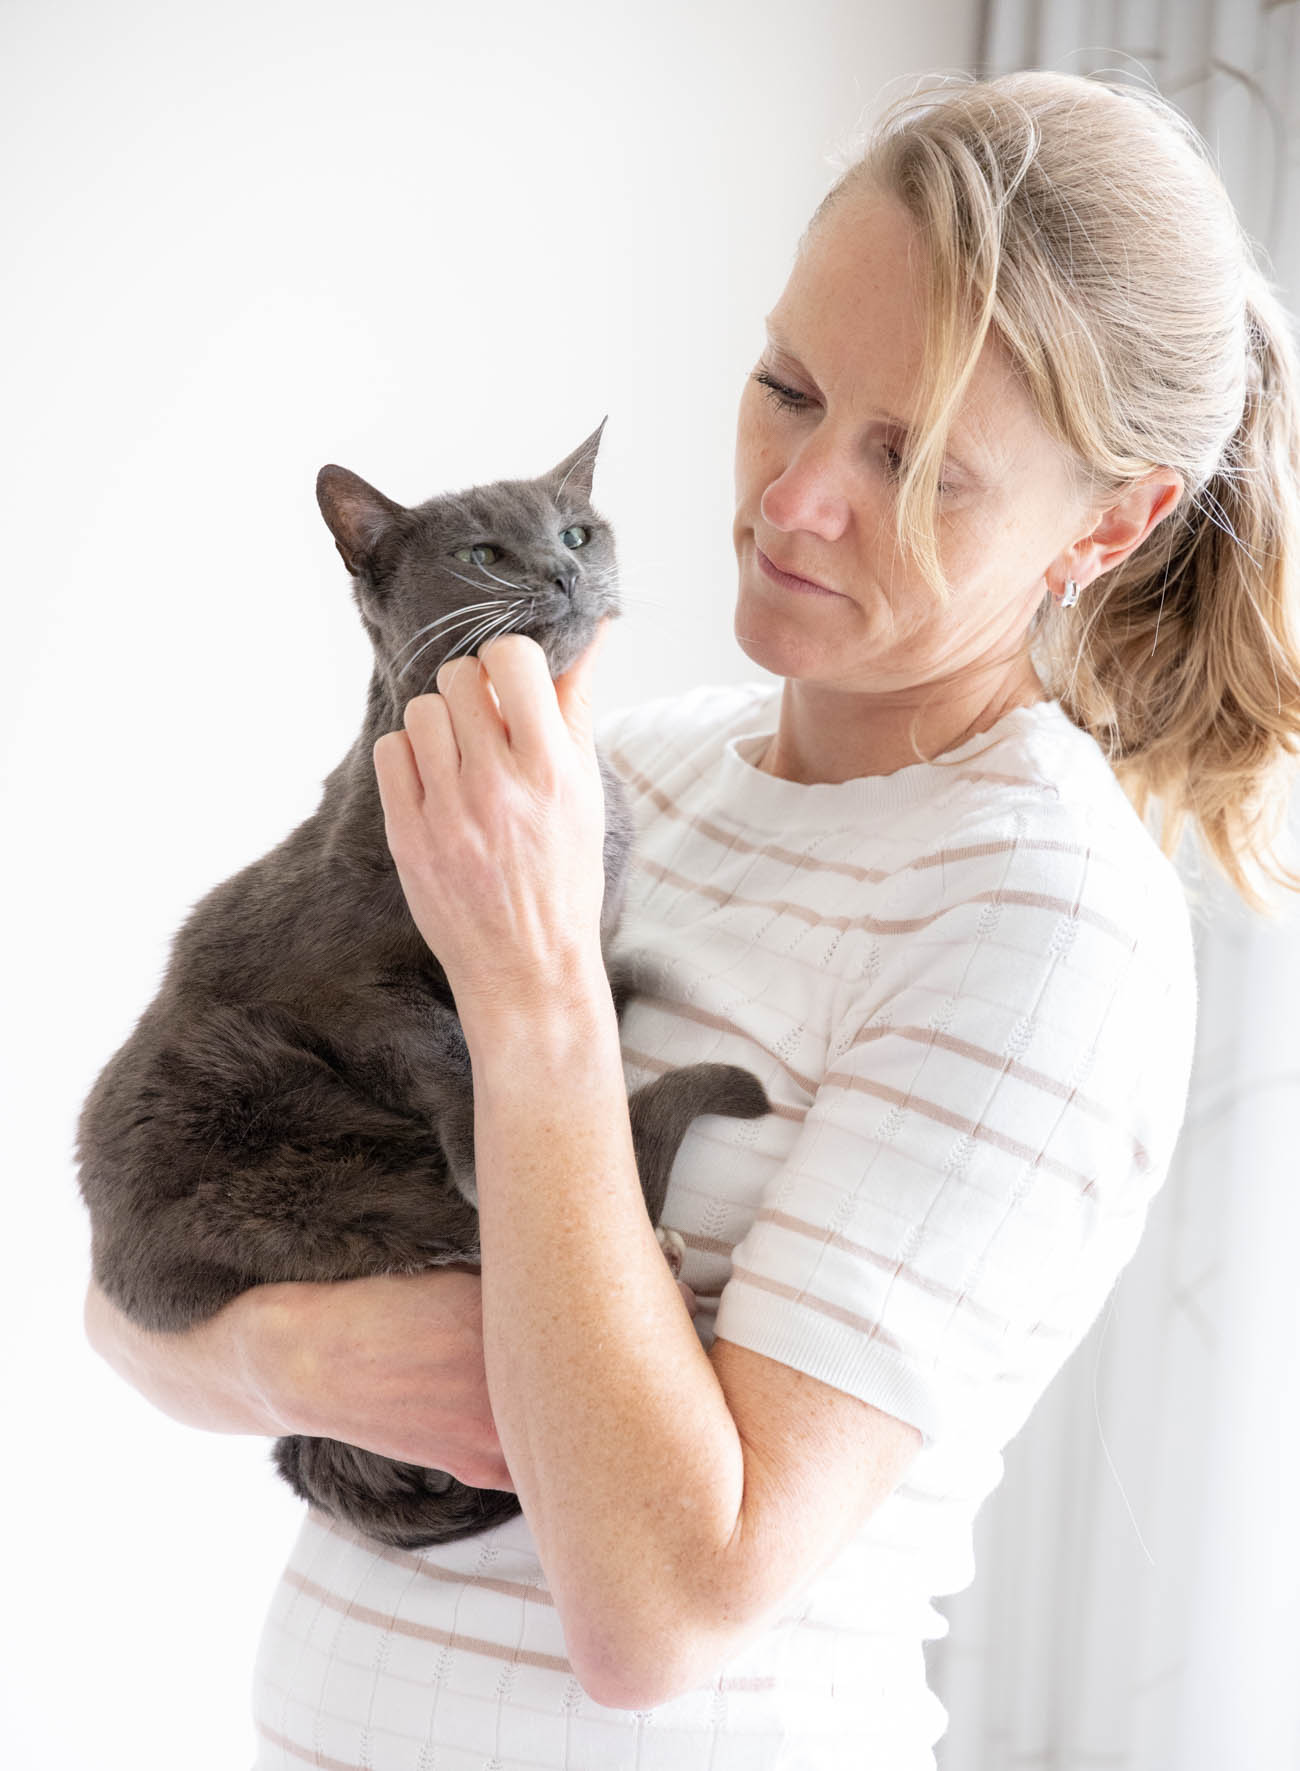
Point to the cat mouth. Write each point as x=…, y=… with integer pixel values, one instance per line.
x=562, y=633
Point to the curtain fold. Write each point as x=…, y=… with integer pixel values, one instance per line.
x=1137, y=1601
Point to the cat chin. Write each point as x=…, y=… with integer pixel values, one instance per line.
x=566, y=643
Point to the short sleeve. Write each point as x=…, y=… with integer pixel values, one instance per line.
x=997, y=1111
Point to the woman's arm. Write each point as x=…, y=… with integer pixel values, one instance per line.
x=394, y=1364
x=676, y=1498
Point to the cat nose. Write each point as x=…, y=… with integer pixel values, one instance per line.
x=565, y=579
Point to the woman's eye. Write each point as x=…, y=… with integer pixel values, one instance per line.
x=895, y=468
x=791, y=400
x=788, y=398
x=575, y=537
x=482, y=555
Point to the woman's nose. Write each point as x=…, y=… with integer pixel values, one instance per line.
x=809, y=494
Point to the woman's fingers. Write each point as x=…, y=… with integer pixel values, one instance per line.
x=398, y=778
x=476, y=720
x=517, y=670
x=573, y=689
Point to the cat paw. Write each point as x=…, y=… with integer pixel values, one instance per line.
x=674, y=1250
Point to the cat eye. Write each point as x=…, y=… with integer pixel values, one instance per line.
x=482, y=555
x=582, y=535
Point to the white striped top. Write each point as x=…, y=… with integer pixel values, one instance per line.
x=968, y=988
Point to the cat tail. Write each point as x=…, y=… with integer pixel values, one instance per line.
x=662, y=1110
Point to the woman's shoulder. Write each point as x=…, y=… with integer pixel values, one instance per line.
x=1041, y=786
x=645, y=736
x=1037, y=821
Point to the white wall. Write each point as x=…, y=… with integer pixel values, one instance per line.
x=433, y=243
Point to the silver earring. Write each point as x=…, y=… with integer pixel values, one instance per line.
x=1071, y=594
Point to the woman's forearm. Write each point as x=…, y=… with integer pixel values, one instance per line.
x=204, y=1377
x=617, y=1432
x=393, y=1364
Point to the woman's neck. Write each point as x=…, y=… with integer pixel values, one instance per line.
x=828, y=734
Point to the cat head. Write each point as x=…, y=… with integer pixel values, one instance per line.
x=439, y=579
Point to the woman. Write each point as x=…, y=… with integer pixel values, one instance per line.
x=905, y=886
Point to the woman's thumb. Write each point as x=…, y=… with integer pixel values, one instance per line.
x=573, y=689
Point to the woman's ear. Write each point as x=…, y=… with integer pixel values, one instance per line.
x=1125, y=524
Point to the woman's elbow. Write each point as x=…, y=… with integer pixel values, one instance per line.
x=648, y=1669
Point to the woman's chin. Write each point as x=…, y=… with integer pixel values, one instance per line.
x=779, y=649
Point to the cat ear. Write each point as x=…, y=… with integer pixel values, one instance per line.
x=574, y=473
x=359, y=518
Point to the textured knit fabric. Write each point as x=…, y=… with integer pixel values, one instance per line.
x=968, y=989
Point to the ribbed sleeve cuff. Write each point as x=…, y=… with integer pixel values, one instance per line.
x=830, y=1351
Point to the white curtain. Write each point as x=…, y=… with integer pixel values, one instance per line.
x=1137, y=1604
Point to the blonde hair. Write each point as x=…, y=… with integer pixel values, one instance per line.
x=1083, y=224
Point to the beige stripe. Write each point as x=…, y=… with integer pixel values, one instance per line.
x=424, y=1632
x=945, y=1294
x=309, y=1755
x=925, y=1036
x=821, y=1307
x=873, y=1330
x=1012, y=1067
x=1008, y=780
x=860, y=1251
x=895, y=1269
x=985, y=1133
x=977, y=850
x=513, y=1589
x=836, y=1239
x=814, y=864
x=880, y=925
x=703, y=1244
x=702, y=1018
x=730, y=841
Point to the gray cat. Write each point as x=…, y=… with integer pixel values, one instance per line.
x=296, y=1102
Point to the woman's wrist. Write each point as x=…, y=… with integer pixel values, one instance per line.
x=559, y=1015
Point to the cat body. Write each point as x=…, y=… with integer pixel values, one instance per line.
x=296, y=1102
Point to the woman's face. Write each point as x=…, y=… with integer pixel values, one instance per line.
x=817, y=457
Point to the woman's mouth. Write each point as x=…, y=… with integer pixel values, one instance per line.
x=789, y=580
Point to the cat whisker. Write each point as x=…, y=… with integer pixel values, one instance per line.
x=455, y=618
x=522, y=589
x=462, y=579
x=639, y=599
x=478, y=633
x=500, y=625
x=474, y=583
x=449, y=640
x=437, y=639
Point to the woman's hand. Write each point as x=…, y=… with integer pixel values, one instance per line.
x=494, y=814
x=393, y=1364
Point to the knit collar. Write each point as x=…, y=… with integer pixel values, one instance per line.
x=1008, y=747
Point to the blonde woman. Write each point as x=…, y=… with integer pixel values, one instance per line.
x=1016, y=529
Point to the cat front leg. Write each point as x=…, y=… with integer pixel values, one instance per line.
x=456, y=1135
